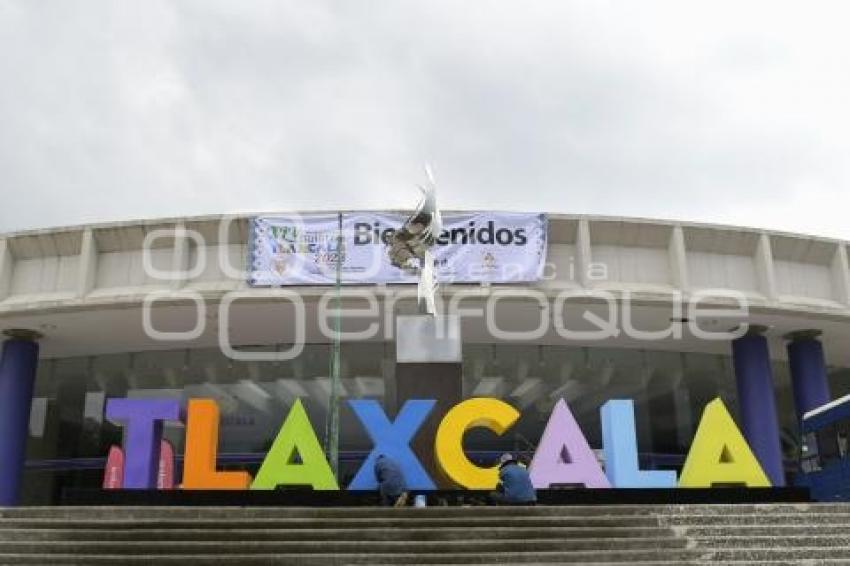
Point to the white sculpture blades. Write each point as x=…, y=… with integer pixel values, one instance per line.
x=409, y=248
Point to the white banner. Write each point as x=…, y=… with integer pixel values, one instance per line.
x=494, y=247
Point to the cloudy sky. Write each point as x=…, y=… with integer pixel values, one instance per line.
x=732, y=112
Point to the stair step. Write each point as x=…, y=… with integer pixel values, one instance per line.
x=354, y=547
x=397, y=534
x=677, y=556
x=797, y=555
x=762, y=530
x=746, y=541
x=636, y=535
x=363, y=523
x=755, y=519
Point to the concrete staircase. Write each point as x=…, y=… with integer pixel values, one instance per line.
x=634, y=534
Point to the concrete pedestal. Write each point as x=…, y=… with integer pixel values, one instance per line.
x=429, y=365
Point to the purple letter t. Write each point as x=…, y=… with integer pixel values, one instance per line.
x=142, y=421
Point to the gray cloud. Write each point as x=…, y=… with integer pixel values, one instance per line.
x=714, y=111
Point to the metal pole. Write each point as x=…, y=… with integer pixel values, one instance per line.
x=333, y=405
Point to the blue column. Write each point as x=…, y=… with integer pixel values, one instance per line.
x=808, y=372
x=18, y=363
x=757, y=404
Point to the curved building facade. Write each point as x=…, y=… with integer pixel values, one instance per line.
x=669, y=314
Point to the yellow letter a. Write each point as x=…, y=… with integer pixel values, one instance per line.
x=719, y=454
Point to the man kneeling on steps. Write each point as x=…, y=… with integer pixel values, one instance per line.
x=390, y=482
x=514, y=486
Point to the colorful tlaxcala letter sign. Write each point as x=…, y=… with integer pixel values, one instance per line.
x=452, y=462
x=563, y=455
x=621, y=454
x=199, y=462
x=142, y=420
x=392, y=439
x=719, y=454
x=296, y=441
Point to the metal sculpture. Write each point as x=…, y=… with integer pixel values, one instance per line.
x=409, y=248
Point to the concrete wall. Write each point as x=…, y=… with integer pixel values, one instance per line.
x=83, y=267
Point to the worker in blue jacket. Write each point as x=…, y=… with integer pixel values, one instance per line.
x=390, y=482
x=514, y=486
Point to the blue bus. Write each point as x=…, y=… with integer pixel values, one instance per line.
x=824, y=458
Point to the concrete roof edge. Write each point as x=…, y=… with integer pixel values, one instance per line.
x=148, y=221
